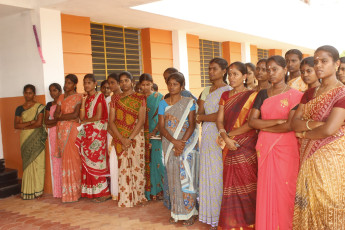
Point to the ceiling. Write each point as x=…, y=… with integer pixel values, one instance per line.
x=287, y=24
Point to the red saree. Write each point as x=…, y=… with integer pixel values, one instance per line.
x=92, y=144
x=240, y=166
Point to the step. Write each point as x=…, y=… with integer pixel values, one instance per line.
x=10, y=190
x=5, y=183
x=8, y=174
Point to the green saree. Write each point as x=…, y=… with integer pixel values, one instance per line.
x=32, y=143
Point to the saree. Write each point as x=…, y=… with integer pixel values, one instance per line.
x=157, y=168
x=32, y=145
x=113, y=164
x=131, y=161
x=240, y=166
x=211, y=163
x=298, y=84
x=92, y=144
x=182, y=170
x=320, y=200
x=66, y=149
x=278, y=163
x=55, y=161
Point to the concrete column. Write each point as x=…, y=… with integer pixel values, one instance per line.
x=180, y=54
x=245, y=51
x=51, y=43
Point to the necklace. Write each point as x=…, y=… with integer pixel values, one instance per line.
x=234, y=91
x=214, y=88
x=280, y=92
x=317, y=89
x=170, y=100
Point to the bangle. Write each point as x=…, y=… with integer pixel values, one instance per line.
x=307, y=124
x=221, y=131
x=303, y=134
x=82, y=109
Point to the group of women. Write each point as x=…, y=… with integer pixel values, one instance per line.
x=270, y=156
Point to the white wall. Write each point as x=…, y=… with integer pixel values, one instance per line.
x=20, y=63
x=51, y=43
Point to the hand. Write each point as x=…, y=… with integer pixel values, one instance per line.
x=281, y=121
x=153, y=133
x=230, y=144
x=178, y=147
x=197, y=119
x=84, y=97
x=318, y=123
x=126, y=143
x=299, y=135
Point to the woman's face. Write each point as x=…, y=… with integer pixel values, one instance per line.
x=260, y=72
x=341, y=72
x=324, y=65
x=125, y=83
x=292, y=63
x=89, y=85
x=146, y=87
x=113, y=85
x=54, y=92
x=308, y=74
x=69, y=85
x=235, y=77
x=215, y=72
x=250, y=76
x=275, y=72
x=105, y=89
x=29, y=95
x=174, y=87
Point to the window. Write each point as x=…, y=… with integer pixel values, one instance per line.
x=115, y=49
x=262, y=53
x=208, y=51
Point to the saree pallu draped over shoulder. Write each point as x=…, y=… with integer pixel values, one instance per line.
x=32, y=144
x=240, y=166
x=131, y=161
x=320, y=197
x=182, y=170
x=66, y=136
x=278, y=163
x=92, y=145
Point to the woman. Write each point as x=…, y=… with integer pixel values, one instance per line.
x=156, y=162
x=341, y=70
x=55, y=161
x=92, y=142
x=29, y=119
x=308, y=73
x=277, y=149
x=240, y=162
x=250, y=81
x=319, y=122
x=105, y=89
x=176, y=119
x=261, y=75
x=127, y=119
x=114, y=86
x=211, y=168
x=67, y=115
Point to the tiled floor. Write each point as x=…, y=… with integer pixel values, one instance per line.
x=50, y=213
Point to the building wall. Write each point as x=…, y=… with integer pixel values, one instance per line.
x=272, y=52
x=254, y=54
x=157, y=54
x=193, y=50
x=232, y=51
x=76, y=40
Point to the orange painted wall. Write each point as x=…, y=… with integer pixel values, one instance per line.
x=10, y=138
x=306, y=55
x=193, y=51
x=76, y=42
x=254, y=54
x=272, y=52
x=157, y=54
x=231, y=51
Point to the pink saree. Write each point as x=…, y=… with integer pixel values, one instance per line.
x=56, y=163
x=278, y=163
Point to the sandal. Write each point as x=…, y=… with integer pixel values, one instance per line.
x=172, y=221
x=189, y=222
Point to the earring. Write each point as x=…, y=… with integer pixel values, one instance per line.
x=244, y=80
